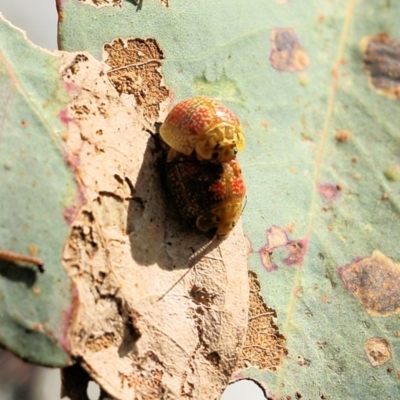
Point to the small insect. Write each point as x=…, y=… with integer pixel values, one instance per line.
x=208, y=193
x=205, y=126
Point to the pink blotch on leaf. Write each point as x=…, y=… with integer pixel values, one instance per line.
x=64, y=117
x=70, y=214
x=298, y=291
x=68, y=316
x=72, y=160
x=297, y=251
x=72, y=88
x=329, y=191
x=277, y=238
x=71, y=211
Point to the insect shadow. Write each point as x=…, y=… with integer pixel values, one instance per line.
x=17, y=273
x=137, y=3
x=156, y=231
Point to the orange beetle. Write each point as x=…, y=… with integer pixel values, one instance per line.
x=208, y=193
x=205, y=126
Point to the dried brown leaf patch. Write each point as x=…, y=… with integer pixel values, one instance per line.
x=377, y=350
x=381, y=63
x=375, y=282
x=161, y=310
x=136, y=70
x=264, y=347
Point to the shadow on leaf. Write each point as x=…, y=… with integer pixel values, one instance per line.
x=18, y=273
x=156, y=231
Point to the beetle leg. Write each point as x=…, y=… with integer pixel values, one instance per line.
x=23, y=258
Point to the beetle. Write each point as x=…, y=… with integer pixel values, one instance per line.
x=204, y=126
x=210, y=194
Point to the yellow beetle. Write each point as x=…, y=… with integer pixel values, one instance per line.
x=205, y=126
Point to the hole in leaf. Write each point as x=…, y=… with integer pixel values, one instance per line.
x=93, y=390
x=243, y=389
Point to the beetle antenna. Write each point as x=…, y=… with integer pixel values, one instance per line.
x=160, y=144
x=179, y=280
x=244, y=205
x=193, y=260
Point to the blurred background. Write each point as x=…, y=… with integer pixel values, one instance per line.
x=19, y=380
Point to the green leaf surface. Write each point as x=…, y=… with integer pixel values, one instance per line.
x=322, y=146
x=36, y=189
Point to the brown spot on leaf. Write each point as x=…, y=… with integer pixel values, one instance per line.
x=33, y=250
x=342, y=136
x=135, y=70
x=286, y=53
x=97, y=343
x=214, y=358
x=36, y=290
x=375, y=281
x=80, y=110
x=277, y=238
x=303, y=362
x=381, y=62
x=75, y=66
x=264, y=347
x=378, y=351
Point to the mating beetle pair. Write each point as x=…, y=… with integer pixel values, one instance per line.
x=203, y=174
